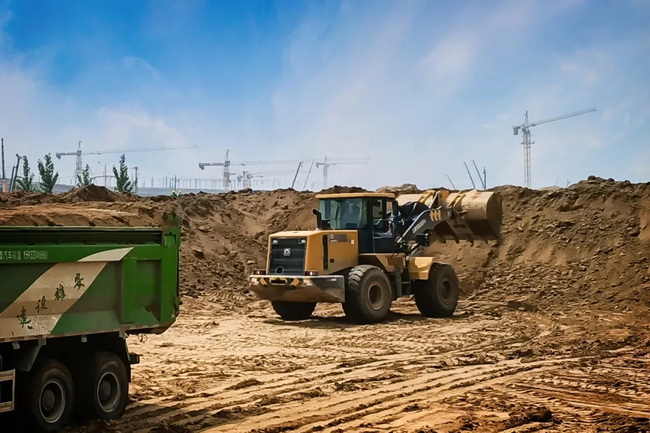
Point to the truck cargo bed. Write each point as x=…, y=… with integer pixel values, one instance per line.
x=59, y=281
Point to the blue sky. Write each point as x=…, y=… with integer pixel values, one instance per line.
x=416, y=87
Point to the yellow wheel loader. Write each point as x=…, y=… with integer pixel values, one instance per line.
x=366, y=249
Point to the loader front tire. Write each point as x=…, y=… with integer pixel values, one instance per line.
x=437, y=296
x=368, y=295
x=293, y=310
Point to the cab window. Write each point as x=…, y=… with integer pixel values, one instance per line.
x=379, y=214
x=345, y=213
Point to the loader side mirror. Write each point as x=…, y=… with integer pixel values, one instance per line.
x=319, y=219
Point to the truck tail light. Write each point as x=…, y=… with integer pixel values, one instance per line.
x=311, y=273
x=259, y=272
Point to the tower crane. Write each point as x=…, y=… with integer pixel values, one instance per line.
x=527, y=141
x=245, y=180
x=227, y=163
x=78, y=153
x=327, y=163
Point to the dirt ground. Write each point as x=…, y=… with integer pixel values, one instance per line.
x=552, y=332
x=491, y=368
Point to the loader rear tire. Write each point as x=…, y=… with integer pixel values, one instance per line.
x=438, y=295
x=293, y=310
x=368, y=295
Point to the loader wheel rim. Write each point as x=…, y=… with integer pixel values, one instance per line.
x=108, y=392
x=375, y=296
x=52, y=401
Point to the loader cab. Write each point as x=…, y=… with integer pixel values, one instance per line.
x=370, y=214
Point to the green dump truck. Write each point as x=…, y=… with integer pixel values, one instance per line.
x=69, y=296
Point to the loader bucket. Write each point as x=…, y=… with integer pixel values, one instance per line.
x=481, y=212
x=475, y=215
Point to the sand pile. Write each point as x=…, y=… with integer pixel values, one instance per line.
x=588, y=244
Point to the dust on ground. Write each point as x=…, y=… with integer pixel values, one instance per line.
x=552, y=333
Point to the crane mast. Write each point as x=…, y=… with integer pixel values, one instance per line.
x=528, y=141
x=227, y=163
x=327, y=163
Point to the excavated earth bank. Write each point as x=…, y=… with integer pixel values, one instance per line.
x=552, y=333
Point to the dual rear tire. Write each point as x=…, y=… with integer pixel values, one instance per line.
x=48, y=396
x=104, y=387
x=51, y=394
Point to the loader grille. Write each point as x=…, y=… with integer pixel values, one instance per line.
x=288, y=256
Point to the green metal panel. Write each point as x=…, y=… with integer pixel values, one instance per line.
x=57, y=281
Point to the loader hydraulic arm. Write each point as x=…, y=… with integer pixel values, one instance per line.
x=423, y=224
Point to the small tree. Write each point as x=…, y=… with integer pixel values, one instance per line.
x=123, y=184
x=26, y=182
x=84, y=179
x=48, y=176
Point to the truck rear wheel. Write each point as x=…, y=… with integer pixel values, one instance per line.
x=293, y=310
x=48, y=401
x=437, y=296
x=368, y=295
x=104, y=391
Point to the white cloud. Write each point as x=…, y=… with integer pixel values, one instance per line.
x=417, y=93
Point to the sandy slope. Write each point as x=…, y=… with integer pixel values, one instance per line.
x=552, y=334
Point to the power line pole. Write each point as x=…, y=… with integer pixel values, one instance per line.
x=4, y=177
x=304, y=187
x=469, y=174
x=296, y=175
x=478, y=173
x=135, y=189
x=452, y=183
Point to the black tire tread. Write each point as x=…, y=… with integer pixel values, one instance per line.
x=86, y=407
x=354, y=306
x=426, y=298
x=27, y=404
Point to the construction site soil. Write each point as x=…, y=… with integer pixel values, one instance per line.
x=552, y=333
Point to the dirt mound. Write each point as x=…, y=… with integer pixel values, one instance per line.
x=337, y=189
x=581, y=245
x=588, y=244
x=92, y=193
x=22, y=198
x=407, y=188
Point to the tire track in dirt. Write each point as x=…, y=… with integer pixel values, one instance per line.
x=301, y=383
x=336, y=410
x=166, y=409
x=574, y=396
x=332, y=336
x=386, y=412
